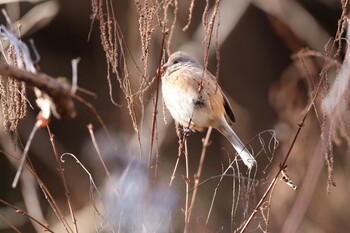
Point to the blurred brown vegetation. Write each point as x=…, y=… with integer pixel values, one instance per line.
x=270, y=84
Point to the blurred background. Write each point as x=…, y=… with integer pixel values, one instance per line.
x=265, y=70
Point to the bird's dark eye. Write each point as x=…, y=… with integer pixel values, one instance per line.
x=175, y=62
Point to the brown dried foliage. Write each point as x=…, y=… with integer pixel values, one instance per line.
x=13, y=97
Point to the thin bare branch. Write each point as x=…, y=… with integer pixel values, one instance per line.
x=198, y=174
x=64, y=181
x=94, y=142
x=22, y=212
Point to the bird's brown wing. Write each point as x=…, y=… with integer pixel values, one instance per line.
x=230, y=117
x=228, y=110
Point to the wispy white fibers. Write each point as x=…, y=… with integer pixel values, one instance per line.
x=335, y=101
x=139, y=205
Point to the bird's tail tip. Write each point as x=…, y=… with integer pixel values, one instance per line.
x=250, y=163
x=248, y=159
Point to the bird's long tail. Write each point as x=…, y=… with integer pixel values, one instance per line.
x=243, y=152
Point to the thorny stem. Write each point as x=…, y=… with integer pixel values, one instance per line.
x=284, y=163
x=22, y=212
x=61, y=172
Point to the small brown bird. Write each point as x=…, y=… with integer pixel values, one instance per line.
x=196, y=101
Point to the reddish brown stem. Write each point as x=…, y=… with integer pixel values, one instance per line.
x=64, y=181
x=22, y=212
x=198, y=174
x=284, y=163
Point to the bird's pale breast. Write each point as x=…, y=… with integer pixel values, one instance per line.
x=191, y=97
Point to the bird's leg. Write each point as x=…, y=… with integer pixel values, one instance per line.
x=186, y=131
